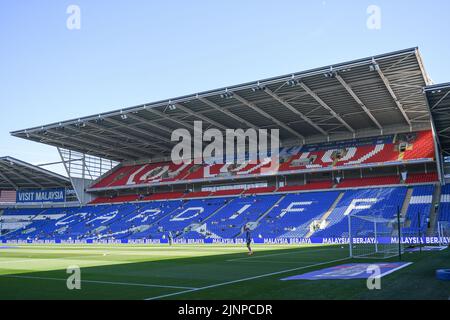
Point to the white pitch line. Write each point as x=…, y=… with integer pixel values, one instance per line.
x=245, y=279
x=101, y=282
x=393, y=270
x=46, y=259
x=268, y=261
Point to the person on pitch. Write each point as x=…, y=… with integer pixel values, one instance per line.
x=170, y=238
x=248, y=239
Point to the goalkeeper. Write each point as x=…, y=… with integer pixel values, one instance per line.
x=170, y=238
x=248, y=239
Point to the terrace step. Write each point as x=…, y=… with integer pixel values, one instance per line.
x=255, y=224
x=327, y=214
x=434, y=213
x=203, y=223
x=31, y=221
x=219, y=209
x=270, y=209
x=166, y=215
x=406, y=202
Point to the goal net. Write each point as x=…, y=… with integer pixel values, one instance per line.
x=374, y=236
x=443, y=230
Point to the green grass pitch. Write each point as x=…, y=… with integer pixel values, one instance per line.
x=204, y=272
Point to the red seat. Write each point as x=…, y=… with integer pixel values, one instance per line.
x=260, y=190
x=420, y=146
x=422, y=177
x=230, y=192
x=165, y=196
x=371, y=181
x=117, y=199
x=315, y=185
x=198, y=194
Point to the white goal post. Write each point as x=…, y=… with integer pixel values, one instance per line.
x=443, y=230
x=373, y=236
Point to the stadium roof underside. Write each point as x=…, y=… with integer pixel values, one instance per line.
x=16, y=174
x=377, y=95
x=439, y=101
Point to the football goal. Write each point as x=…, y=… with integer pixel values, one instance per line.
x=443, y=230
x=374, y=236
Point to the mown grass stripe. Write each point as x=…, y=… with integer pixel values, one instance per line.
x=101, y=282
x=246, y=279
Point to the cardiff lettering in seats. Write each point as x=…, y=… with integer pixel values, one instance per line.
x=70, y=219
x=196, y=211
x=295, y=207
x=145, y=215
x=105, y=217
x=354, y=205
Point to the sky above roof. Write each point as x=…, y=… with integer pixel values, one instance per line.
x=131, y=52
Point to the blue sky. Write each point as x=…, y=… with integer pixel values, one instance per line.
x=131, y=52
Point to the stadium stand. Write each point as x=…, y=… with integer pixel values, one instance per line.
x=136, y=223
x=419, y=208
x=422, y=177
x=115, y=199
x=419, y=147
x=383, y=202
x=189, y=214
x=352, y=153
x=360, y=152
x=364, y=182
x=260, y=190
x=229, y=192
x=197, y=194
x=353, y=160
x=280, y=215
x=444, y=206
x=294, y=214
x=145, y=173
x=228, y=222
x=309, y=186
x=165, y=196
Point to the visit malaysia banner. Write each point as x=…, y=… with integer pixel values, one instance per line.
x=48, y=195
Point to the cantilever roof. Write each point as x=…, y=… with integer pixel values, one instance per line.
x=439, y=102
x=17, y=174
x=376, y=95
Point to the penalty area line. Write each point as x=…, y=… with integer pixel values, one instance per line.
x=246, y=279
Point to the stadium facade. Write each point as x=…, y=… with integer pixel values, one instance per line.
x=362, y=137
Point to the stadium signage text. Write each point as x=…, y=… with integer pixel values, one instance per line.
x=289, y=241
x=50, y=195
